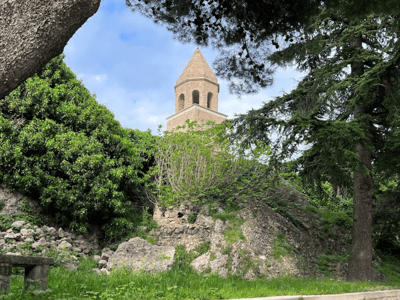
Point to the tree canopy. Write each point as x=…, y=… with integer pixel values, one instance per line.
x=34, y=32
x=245, y=31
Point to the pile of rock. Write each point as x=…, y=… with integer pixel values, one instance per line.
x=263, y=231
x=22, y=237
x=103, y=260
x=136, y=254
x=244, y=246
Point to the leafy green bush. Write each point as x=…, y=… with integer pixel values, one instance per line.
x=59, y=257
x=70, y=153
x=326, y=227
x=87, y=264
x=5, y=222
x=386, y=219
x=325, y=259
x=282, y=247
x=114, y=247
x=183, y=259
x=311, y=208
x=342, y=219
x=147, y=220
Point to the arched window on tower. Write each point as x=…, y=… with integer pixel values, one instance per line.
x=195, y=96
x=181, y=102
x=209, y=97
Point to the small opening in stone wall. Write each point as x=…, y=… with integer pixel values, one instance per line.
x=195, y=96
x=181, y=102
x=180, y=215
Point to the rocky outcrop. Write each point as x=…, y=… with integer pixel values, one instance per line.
x=23, y=237
x=258, y=242
x=138, y=254
x=174, y=228
x=255, y=241
x=12, y=202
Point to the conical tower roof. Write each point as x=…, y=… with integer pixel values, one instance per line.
x=197, y=68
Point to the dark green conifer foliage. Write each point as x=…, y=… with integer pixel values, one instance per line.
x=58, y=145
x=345, y=109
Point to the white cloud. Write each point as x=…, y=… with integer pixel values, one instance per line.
x=101, y=78
x=92, y=81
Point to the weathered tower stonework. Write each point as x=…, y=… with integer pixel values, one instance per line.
x=196, y=94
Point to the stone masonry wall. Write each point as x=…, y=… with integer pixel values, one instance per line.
x=204, y=87
x=194, y=114
x=174, y=229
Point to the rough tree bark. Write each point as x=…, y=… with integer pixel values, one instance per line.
x=360, y=262
x=32, y=32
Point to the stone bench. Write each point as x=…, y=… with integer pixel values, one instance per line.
x=36, y=268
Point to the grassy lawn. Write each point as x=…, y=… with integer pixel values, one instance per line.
x=185, y=284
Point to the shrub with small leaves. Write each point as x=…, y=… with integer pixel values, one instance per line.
x=70, y=153
x=200, y=166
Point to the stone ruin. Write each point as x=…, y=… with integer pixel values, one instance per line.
x=250, y=256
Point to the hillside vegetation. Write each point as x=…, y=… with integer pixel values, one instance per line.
x=63, y=149
x=59, y=146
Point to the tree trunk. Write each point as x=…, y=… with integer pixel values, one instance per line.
x=360, y=263
x=32, y=32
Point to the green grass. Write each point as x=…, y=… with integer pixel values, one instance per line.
x=177, y=284
x=182, y=282
x=233, y=230
x=325, y=259
x=281, y=247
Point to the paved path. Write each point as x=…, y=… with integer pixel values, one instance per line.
x=376, y=295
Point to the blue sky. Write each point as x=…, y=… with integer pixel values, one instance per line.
x=132, y=65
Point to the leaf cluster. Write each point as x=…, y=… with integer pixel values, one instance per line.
x=199, y=166
x=240, y=28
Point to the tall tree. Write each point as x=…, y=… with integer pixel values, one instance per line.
x=344, y=109
x=32, y=32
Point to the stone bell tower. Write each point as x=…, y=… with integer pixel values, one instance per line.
x=196, y=94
